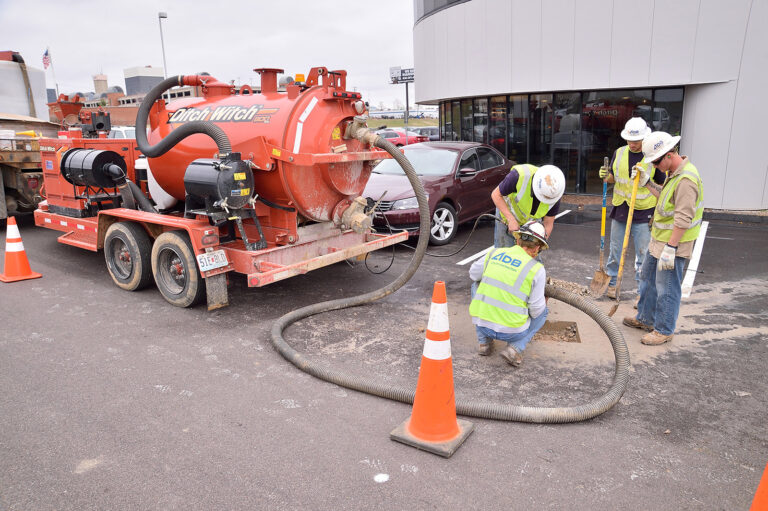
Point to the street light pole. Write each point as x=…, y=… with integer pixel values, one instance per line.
x=160, y=17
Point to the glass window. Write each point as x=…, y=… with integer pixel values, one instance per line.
x=567, y=137
x=466, y=120
x=603, y=116
x=480, y=121
x=517, y=134
x=668, y=110
x=456, y=116
x=540, y=142
x=497, y=132
x=445, y=121
x=488, y=158
x=469, y=160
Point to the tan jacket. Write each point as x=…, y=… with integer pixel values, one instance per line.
x=684, y=200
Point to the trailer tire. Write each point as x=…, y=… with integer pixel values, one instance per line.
x=175, y=269
x=127, y=250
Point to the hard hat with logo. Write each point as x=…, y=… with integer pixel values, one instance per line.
x=635, y=129
x=548, y=184
x=657, y=144
x=533, y=230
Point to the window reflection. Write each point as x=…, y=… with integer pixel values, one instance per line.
x=568, y=138
x=518, y=129
x=466, y=120
x=456, y=117
x=497, y=131
x=540, y=137
x=480, y=121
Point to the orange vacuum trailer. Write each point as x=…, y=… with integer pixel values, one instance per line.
x=267, y=185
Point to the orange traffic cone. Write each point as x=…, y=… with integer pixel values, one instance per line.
x=760, y=502
x=432, y=425
x=16, y=263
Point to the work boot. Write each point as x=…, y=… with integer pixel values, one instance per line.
x=611, y=292
x=636, y=323
x=512, y=356
x=485, y=349
x=655, y=338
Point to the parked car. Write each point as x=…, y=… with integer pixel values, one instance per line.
x=122, y=132
x=433, y=132
x=457, y=176
x=397, y=136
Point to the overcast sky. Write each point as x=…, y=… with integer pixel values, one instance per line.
x=227, y=38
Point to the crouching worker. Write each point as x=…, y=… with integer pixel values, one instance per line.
x=508, y=294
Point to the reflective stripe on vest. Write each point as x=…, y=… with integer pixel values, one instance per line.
x=520, y=204
x=622, y=189
x=496, y=300
x=664, y=216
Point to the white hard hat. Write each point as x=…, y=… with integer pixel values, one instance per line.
x=533, y=229
x=635, y=129
x=548, y=184
x=657, y=144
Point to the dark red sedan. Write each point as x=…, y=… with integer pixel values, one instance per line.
x=457, y=176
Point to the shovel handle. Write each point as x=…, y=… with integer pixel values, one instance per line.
x=627, y=229
x=602, y=219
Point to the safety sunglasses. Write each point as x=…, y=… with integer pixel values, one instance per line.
x=656, y=162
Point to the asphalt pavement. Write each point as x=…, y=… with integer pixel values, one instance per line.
x=118, y=400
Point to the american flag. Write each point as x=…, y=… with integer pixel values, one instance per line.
x=46, y=59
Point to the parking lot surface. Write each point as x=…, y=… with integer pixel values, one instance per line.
x=117, y=400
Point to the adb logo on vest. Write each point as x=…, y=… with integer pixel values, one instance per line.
x=505, y=259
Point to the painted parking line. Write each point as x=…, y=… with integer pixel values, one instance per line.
x=483, y=252
x=693, y=264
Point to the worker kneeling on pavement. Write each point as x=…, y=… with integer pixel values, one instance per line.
x=527, y=193
x=508, y=293
x=676, y=224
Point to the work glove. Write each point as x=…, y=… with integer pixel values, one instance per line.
x=667, y=259
x=644, y=177
x=603, y=172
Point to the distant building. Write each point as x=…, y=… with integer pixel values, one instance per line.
x=100, y=84
x=140, y=80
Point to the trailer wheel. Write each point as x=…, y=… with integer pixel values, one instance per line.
x=127, y=249
x=175, y=269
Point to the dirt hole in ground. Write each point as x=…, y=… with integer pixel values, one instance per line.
x=562, y=331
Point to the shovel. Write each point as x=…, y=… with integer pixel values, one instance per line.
x=626, y=242
x=601, y=279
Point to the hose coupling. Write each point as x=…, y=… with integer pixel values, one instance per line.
x=358, y=129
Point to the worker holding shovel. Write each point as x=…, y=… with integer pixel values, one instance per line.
x=619, y=173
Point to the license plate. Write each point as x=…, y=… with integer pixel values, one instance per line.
x=212, y=260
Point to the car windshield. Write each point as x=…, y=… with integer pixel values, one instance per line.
x=427, y=162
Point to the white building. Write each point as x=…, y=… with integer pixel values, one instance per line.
x=555, y=80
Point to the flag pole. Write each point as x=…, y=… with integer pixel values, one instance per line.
x=55, y=83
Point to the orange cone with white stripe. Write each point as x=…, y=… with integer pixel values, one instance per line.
x=432, y=425
x=16, y=262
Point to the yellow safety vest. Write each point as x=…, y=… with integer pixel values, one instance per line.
x=622, y=189
x=664, y=216
x=521, y=200
x=502, y=296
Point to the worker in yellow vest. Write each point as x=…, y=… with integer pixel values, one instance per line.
x=618, y=173
x=527, y=193
x=508, y=301
x=676, y=224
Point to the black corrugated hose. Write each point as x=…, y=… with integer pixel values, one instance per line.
x=178, y=134
x=464, y=406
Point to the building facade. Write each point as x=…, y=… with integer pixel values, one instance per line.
x=554, y=81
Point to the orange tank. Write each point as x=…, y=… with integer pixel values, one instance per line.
x=295, y=139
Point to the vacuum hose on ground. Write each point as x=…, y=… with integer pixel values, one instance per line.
x=485, y=410
x=181, y=132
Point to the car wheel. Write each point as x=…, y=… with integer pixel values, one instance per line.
x=127, y=250
x=175, y=269
x=444, y=224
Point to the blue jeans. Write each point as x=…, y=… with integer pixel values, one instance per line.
x=660, y=293
x=641, y=234
x=518, y=340
x=501, y=236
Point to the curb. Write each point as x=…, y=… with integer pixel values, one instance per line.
x=726, y=216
